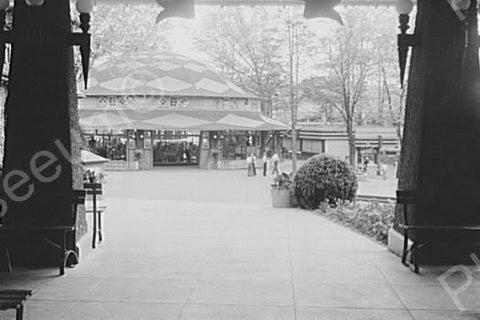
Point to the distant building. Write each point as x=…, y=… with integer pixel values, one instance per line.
x=370, y=141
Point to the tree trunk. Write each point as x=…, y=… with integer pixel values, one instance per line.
x=441, y=142
x=40, y=105
x=351, y=143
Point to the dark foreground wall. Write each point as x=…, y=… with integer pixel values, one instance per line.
x=41, y=119
x=441, y=147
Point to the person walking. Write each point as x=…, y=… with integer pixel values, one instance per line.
x=249, y=166
x=265, y=162
x=384, y=171
x=254, y=168
x=275, y=160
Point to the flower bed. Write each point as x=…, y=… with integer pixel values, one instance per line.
x=369, y=218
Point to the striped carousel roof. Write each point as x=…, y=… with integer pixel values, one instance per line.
x=159, y=74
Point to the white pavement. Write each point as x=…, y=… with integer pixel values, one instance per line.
x=192, y=244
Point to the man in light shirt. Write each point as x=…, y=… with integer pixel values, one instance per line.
x=265, y=161
x=275, y=160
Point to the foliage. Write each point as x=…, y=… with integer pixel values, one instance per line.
x=282, y=181
x=247, y=49
x=249, y=45
x=360, y=76
x=324, y=179
x=93, y=177
x=124, y=29
x=369, y=218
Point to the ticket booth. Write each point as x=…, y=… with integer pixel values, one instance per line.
x=139, y=149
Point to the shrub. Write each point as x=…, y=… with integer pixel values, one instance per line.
x=324, y=179
x=369, y=218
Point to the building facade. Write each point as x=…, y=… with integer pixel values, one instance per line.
x=372, y=143
x=156, y=109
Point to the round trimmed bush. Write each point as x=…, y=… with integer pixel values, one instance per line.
x=324, y=179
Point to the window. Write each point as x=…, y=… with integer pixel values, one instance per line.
x=312, y=146
x=102, y=102
x=173, y=102
x=183, y=103
x=122, y=101
x=164, y=101
x=112, y=101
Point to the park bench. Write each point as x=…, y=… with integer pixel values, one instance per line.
x=14, y=299
x=95, y=189
x=425, y=233
x=9, y=234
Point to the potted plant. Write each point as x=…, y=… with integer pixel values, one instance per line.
x=281, y=191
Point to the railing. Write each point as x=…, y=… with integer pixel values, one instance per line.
x=121, y=165
x=232, y=164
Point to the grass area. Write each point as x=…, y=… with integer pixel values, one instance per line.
x=369, y=218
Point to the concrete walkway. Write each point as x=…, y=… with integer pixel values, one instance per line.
x=191, y=244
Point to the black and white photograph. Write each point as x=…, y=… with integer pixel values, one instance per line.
x=239, y=160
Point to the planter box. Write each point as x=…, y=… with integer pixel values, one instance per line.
x=281, y=198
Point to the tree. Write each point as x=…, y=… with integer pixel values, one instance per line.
x=362, y=75
x=390, y=94
x=248, y=49
x=124, y=29
x=298, y=39
x=349, y=63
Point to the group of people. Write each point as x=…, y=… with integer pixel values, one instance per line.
x=251, y=164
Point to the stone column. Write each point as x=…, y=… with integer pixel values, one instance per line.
x=40, y=118
x=441, y=145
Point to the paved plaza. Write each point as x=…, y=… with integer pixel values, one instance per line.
x=193, y=244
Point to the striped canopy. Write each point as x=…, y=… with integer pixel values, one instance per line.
x=188, y=120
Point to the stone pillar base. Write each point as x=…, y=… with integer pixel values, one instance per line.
x=395, y=242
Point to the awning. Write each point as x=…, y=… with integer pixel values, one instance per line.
x=193, y=120
x=88, y=157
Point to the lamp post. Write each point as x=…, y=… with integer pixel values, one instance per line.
x=404, y=40
x=4, y=5
x=83, y=40
x=85, y=7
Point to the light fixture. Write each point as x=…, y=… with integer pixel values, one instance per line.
x=4, y=5
x=404, y=6
x=404, y=40
x=176, y=8
x=322, y=9
x=85, y=8
x=34, y=3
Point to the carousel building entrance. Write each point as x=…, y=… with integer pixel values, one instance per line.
x=175, y=148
